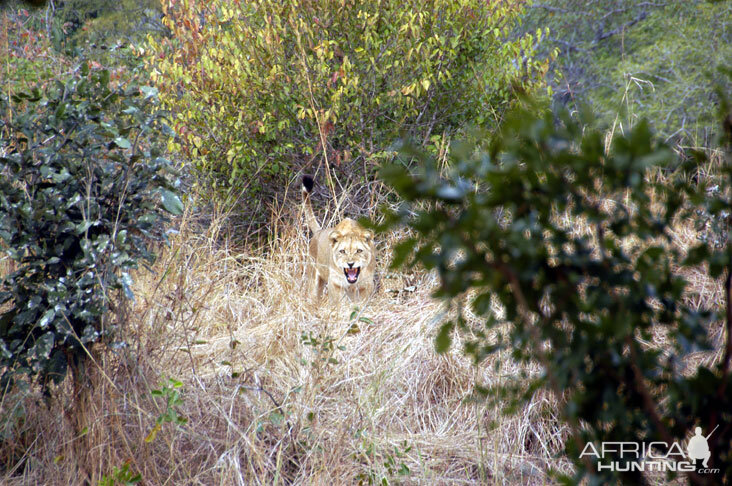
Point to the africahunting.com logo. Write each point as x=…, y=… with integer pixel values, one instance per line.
x=653, y=456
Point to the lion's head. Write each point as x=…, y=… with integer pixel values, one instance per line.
x=352, y=247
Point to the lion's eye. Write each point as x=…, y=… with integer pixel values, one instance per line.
x=359, y=250
x=343, y=251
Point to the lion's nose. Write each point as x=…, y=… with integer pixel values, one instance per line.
x=350, y=265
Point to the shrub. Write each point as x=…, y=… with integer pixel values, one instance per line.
x=265, y=88
x=82, y=192
x=575, y=244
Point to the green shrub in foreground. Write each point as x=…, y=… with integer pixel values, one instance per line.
x=507, y=224
x=82, y=193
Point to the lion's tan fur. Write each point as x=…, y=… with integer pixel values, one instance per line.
x=348, y=245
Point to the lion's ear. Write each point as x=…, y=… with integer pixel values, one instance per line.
x=368, y=235
x=334, y=236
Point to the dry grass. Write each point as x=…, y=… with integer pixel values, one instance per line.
x=263, y=406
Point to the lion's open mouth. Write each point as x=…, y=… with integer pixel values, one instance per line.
x=352, y=274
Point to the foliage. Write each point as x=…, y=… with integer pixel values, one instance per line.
x=393, y=462
x=107, y=22
x=265, y=88
x=27, y=53
x=39, y=44
x=574, y=244
x=173, y=401
x=75, y=25
x=82, y=194
x=323, y=349
x=122, y=476
x=644, y=59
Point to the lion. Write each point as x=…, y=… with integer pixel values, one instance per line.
x=344, y=256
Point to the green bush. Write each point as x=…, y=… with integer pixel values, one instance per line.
x=82, y=192
x=265, y=88
x=575, y=244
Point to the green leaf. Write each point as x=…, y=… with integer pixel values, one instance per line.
x=84, y=226
x=443, y=339
x=43, y=345
x=121, y=237
x=46, y=318
x=276, y=418
x=122, y=142
x=149, y=91
x=171, y=202
x=126, y=281
x=61, y=110
x=104, y=77
x=697, y=255
x=89, y=335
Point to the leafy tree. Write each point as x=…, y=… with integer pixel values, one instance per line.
x=83, y=187
x=265, y=88
x=574, y=243
x=652, y=60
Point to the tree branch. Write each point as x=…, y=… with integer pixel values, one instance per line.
x=550, y=8
x=622, y=10
x=604, y=35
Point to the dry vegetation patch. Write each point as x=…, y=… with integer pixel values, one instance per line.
x=277, y=389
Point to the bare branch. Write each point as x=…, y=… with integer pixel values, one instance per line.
x=550, y=8
x=604, y=35
x=625, y=9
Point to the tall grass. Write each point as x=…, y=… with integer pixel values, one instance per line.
x=279, y=389
x=264, y=406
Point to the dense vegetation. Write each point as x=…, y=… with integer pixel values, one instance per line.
x=81, y=198
x=632, y=60
x=579, y=277
x=554, y=236
x=265, y=89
